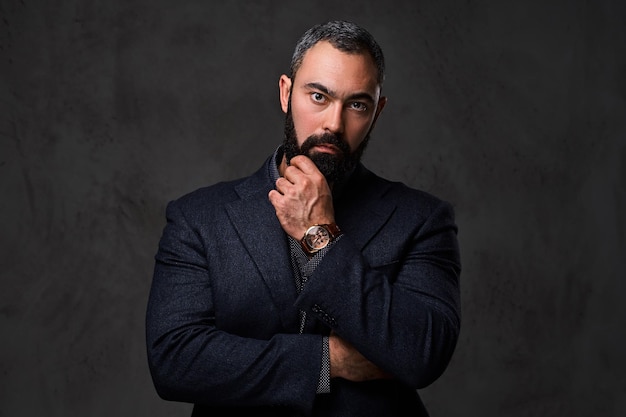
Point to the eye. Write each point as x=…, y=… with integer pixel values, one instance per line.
x=318, y=97
x=358, y=106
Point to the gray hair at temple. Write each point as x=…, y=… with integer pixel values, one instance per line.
x=347, y=37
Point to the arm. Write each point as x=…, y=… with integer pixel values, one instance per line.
x=302, y=198
x=346, y=362
x=402, y=311
x=397, y=300
x=193, y=355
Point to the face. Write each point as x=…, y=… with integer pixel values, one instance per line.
x=331, y=106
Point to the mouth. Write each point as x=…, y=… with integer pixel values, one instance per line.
x=327, y=148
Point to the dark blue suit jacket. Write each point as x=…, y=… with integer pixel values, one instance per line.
x=223, y=312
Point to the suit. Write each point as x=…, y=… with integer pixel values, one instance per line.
x=222, y=320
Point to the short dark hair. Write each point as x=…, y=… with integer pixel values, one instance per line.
x=347, y=37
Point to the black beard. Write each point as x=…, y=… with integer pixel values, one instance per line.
x=335, y=167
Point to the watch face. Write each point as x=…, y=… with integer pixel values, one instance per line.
x=317, y=237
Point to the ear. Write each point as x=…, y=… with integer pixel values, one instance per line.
x=284, y=86
x=379, y=108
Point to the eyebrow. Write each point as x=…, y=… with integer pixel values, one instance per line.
x=356, y=96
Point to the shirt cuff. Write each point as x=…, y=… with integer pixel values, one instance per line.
x=323, y=386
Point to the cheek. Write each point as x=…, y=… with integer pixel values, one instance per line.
x=356, y=131
x=305, y=123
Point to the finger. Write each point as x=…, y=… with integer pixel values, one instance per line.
x=273, y=196
x=281, y=184
x=292, y=174
x=304, y=164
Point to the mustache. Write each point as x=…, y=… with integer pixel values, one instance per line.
x=325, y=139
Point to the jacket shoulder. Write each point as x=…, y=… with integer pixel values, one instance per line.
x=225, y=192
x=369, y=183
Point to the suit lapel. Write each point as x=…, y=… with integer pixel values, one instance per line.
x=362, y=210
x=255, y=221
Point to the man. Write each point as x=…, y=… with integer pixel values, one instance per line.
x=312, y=287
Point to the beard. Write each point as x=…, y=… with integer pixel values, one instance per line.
x=334, y=167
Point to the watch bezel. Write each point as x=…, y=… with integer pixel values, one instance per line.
x=331, y=231
x=317, y=237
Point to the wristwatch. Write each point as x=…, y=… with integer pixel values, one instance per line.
x=318, y=236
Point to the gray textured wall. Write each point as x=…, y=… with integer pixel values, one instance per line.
x=513, y=110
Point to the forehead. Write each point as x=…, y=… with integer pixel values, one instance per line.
x=337, y=70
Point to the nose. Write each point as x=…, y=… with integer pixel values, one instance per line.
x=333, y=119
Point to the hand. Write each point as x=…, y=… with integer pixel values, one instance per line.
x=348, y=363
x=302, y=197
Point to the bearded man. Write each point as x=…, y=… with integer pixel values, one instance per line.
x=312, y=287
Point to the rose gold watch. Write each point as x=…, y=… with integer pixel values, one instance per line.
x=318, y=236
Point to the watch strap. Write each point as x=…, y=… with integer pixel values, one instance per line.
x=333, y=229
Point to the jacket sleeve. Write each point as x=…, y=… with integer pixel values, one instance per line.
x=191, y=359
x=397, y=300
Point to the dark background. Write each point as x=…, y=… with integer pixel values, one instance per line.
x=515, y=111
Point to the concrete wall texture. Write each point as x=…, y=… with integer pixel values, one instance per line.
x=515, y=111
